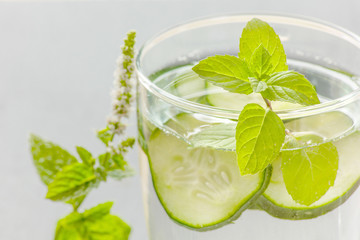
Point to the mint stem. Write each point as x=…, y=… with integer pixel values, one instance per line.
x=268, y=103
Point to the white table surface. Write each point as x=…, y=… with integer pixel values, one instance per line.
x=56, y=67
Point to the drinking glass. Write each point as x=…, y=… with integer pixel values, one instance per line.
x=183, y=183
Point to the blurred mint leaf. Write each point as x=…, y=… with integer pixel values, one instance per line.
x=119, y=174
x=94, y=224
x=76, y=202
x=127, y=143
x=70, y=227
x=105, y=135
x=228, y=72
x=49, y=158
x=220, y=136
x=85, y=156
x=308, y=172
x=290, y=86
x=260, y=134
x=73, y=181
x=98, y=211
x=108, y=227
x=119, y=161
x=256, y=33
x=260, y=63
x=104, y=160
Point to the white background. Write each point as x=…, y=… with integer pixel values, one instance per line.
x=56, y=67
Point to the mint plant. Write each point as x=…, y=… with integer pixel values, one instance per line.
x=260, y=137
x=70, y=179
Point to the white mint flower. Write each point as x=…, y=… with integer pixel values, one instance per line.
x=122, y=95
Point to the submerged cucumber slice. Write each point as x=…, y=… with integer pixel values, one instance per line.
x=188, y=85
x=277, y=202
x=200, y=188
x=218, y=97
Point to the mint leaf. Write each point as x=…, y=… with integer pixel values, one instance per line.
x=108, y=227
x=258, y=86
x=119, y=174
x=220, y=136
x=290, y=86
x=98, y=212
x=76, y=202
x=94, y=224
x=260, y=134
x=73, y=181
x=308, y=172
x=258, y=33
x=69, y=227
x=105, y=136
x=128, y=143
x=118, y=160
x=104, y=160
x=228, y=72
x=260, y=63
x=85, y=156
x=48, y=158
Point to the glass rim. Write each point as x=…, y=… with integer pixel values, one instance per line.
x=295, y=20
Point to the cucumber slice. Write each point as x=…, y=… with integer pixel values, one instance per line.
x=200, y=188
x=277, y=202
x=188, y=85
x=222, y=99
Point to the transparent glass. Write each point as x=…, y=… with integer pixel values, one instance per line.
x=173, y=105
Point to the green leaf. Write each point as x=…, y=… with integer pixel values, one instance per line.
x=70, y=227
x=220, y=136
x=260, y=134
x=228, y=72
x=76, y=202
x=94, y=224
x=98, y=212
x=101, y=173
x=258, y=86
x=260, y=63
x=109, y=227
x=72, y=182
x=258, y=33
x=309, y=172
x=119, y=161
x=105, y=136
x=104, y=160
x=85, y=156
x=119, y=174
x=290, y=86
x=129, y=142
x=49, y=158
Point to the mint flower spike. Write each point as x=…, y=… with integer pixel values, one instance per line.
x=122, y=95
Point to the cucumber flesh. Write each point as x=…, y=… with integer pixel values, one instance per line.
x=189, y=86
x=200, y=188
x=220, y=98
x=277, y=202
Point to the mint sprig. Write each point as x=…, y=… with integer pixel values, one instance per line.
x=70, y=180
x=96, y=224
x=260, y=134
